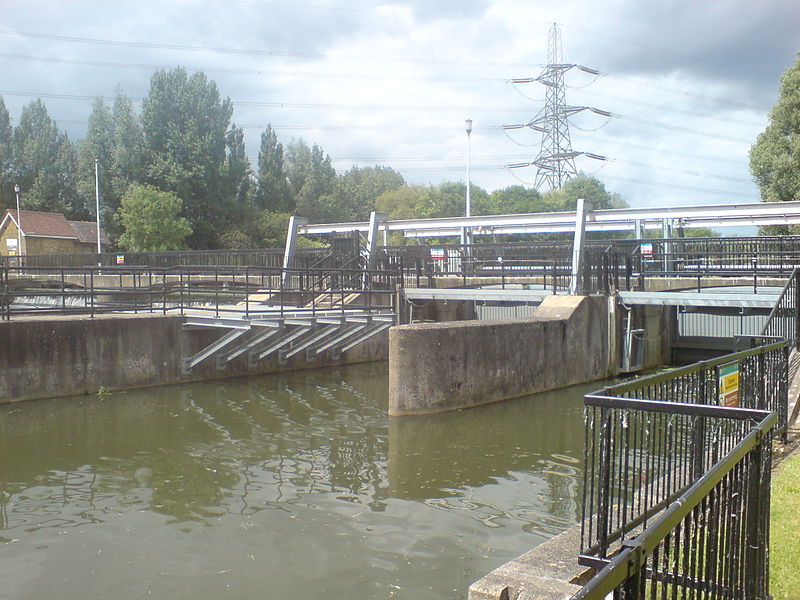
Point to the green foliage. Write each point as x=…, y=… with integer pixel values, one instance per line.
x=185, y=125
x=700, y=232
x=235, y=239
x=272, y=192
x=775, y=157
x=312, y=181
x=150, y=220
x=515, y=199
x=587, y=187
x=401, y=203
x=272, y=229
x=7, y=198
x=127, y=154
x=358, y=189
x=45, y=164
x=784, y=562
x=98, y=144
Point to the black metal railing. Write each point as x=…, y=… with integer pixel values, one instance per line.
x=246, y=290
x=262, y=257
x=784, y=321
x=608, y=264
x=712, y=541
x=675, y=467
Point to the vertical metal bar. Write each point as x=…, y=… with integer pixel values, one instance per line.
x=604, y=483
x=576, y=286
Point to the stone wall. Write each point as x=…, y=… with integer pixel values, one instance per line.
x=64, y=356
x=436, y=367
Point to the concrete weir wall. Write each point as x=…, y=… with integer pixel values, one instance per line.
x=65, y=356
x=435, y=367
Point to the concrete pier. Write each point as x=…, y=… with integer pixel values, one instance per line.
x=436, y=367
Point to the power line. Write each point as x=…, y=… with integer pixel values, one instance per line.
x=303, y=105
x=257, y=72
x=253, y=52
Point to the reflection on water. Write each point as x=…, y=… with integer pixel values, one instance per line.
x=295, y=485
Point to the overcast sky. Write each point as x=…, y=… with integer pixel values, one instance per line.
x=690, y=82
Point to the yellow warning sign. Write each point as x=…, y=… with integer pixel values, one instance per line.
x=729, y=384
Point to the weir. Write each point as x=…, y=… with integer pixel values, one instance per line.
x=449, y=366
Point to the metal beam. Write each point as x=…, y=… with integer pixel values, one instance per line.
x=308, y=342
x=581, y=211
x=341, y=337
x=757, y=213
x=371, y=331
x=710, y=299
x=256, y=356
x=224, y=358
x=376, y=219
x=699, y=299
x=486, y=295
x=291, y=242
x=211, y=349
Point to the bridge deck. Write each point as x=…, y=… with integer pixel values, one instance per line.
x=735, y=298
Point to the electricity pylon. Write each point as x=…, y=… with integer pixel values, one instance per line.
x=555, y=163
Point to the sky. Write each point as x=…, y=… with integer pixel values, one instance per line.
x=689, y=83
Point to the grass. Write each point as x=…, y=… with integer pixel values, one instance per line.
x=785, y=522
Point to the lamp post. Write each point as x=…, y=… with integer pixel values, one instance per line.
x=19, y=226
x=97, y=199
x=466, y=234
x=468, y=124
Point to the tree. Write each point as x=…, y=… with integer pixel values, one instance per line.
x=358, y=188
x=312, y=180
x=449, y=199
x=235, y=176
x=150, y=220
x=272, y=191
x=7, y=198
x=775, y=157
x=185, y=125
x=401, y=203
x=590, y=189
x=515, y=199
x=127, y=154
x=45, y=164
x=98, y=144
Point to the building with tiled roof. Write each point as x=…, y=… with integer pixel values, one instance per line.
x=46, y=233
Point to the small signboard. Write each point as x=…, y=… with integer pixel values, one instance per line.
x=120, y=259
x=646, y=249
x=437, y=253
x=729, y=384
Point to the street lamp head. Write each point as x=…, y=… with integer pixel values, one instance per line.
x=468, y=124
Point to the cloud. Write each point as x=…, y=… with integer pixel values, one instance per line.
x=391, y=81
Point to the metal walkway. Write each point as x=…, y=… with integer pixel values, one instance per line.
x=732, y=299
x=285, y=332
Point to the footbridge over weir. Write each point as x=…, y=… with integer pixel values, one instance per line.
x=292, y=303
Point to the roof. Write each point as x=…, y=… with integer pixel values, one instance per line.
x=87, y=232
x=46, y=224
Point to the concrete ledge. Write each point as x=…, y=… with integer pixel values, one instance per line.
x=435, y=367
x=548, y=572
x=67, y=356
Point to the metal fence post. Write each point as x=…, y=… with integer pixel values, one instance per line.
x=796, y=310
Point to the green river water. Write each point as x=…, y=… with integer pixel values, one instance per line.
x=290, y=486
